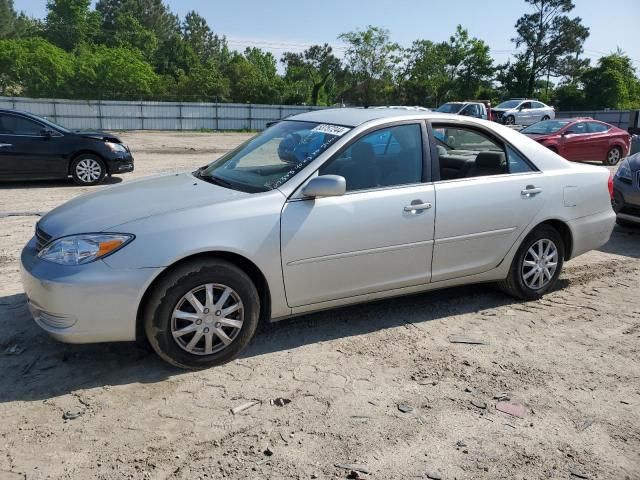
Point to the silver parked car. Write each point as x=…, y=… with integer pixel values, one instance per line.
x=324, y=209
x=522, y=112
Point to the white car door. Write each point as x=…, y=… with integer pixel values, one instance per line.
x=376, y=237
x=487, y=195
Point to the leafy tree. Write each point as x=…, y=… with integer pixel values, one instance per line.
x=427, y=81
x=372, y=60
x=469, y=64
x=113, y=73
x=613, y=83
x=33, y=67
x=253, y=77
x=70, y=22
x=549, y=36
x=8, y=18
x=153, y=15
x=312, y=70
x=206, y=45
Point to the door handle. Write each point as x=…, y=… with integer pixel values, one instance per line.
x=417, y=206
x=2, y=145
x=530, y=191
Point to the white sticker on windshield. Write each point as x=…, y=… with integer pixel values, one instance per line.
x=331, y=129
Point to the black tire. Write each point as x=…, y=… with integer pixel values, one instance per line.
x=171, y=290
x=88, y=170
x=514, y=284
x=545, y=118
x=614, y=155
x=510, y=120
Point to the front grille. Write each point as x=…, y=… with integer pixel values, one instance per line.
x=42, y=238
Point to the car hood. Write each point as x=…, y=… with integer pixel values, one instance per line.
x=109, y=207
x=634, y=162
x=104, y=136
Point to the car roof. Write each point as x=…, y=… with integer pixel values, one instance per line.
x=352, y=117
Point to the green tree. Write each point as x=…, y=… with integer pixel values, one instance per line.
x=469, y=64
x=70, y=22
x=112, y=73
x=153, y=15
x=613, y=83
x=548, y=36
x=253, y=77
x=34, y=67
x=426, y=79
x=206, y=45
x=313, y=70
x=8, y=18
x=372, y=59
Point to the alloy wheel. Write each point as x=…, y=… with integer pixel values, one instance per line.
x=540, y=264
x=89, y=170
x=207, y=319
x=613, y=157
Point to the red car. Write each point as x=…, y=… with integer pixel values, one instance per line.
x=581, y=139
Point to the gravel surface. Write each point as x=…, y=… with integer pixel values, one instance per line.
x=376, y=388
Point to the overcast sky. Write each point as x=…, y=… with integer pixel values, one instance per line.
x=281, y=25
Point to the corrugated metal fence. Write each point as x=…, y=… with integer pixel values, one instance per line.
x=619, y=118
x=121, y=115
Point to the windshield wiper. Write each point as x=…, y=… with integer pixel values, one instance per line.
x=213, y=179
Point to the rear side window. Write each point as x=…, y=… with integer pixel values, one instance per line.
x=387, y=157
x=597, y=127
x=14, y=125
x=467, y=153
x=538, y=105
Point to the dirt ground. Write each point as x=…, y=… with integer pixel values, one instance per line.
x=377, y=388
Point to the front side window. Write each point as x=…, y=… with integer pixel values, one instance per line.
x=15, y=125
x=273, y=157
x=387, y=157
x=525, y=106
x=467, y=153
x=578, y=129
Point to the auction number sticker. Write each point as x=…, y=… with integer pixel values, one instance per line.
x=331, y=129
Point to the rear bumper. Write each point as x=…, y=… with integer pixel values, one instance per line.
x=627, y=199
x=84, y=304
x=591, y=232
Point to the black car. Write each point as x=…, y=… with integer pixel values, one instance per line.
x=33, y=148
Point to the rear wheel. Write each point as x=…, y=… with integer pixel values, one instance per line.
x=536, y=267
x=546, y=117
x=613, y=156
x=88, y=170
x=202, y=314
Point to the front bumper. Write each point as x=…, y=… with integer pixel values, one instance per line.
x=83, y=304
x=120, y=164
x=627, y=198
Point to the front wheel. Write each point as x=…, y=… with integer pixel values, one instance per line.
x=202, y=314
x=510, y=120
x=88, y=170
x=613, y=156
x=536, y=267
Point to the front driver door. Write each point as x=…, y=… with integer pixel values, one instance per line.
x=376, y=237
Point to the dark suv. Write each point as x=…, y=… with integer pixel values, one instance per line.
x=33, y=148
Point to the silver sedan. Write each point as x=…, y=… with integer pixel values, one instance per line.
x=325, y=209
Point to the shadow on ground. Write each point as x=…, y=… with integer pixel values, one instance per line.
x=19, y=185
x=40, y=367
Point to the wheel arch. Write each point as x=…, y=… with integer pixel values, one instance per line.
x=87, y=152
x=564, y=230
x=250, y=268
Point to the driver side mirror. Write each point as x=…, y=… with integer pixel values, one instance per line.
x=325, y=186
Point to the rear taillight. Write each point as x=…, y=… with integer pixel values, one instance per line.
x=610, y=184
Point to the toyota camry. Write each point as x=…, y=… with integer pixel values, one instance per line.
x=324, y=209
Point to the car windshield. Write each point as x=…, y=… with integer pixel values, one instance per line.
x=546, y=127
x=450, y=108
x=273, y=157
x=510, y=104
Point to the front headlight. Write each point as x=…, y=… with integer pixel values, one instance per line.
x=115, y=147
x=85, y=248
x=624, y=173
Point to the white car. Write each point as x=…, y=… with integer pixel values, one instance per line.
x=522, y=112
x=323, y=209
